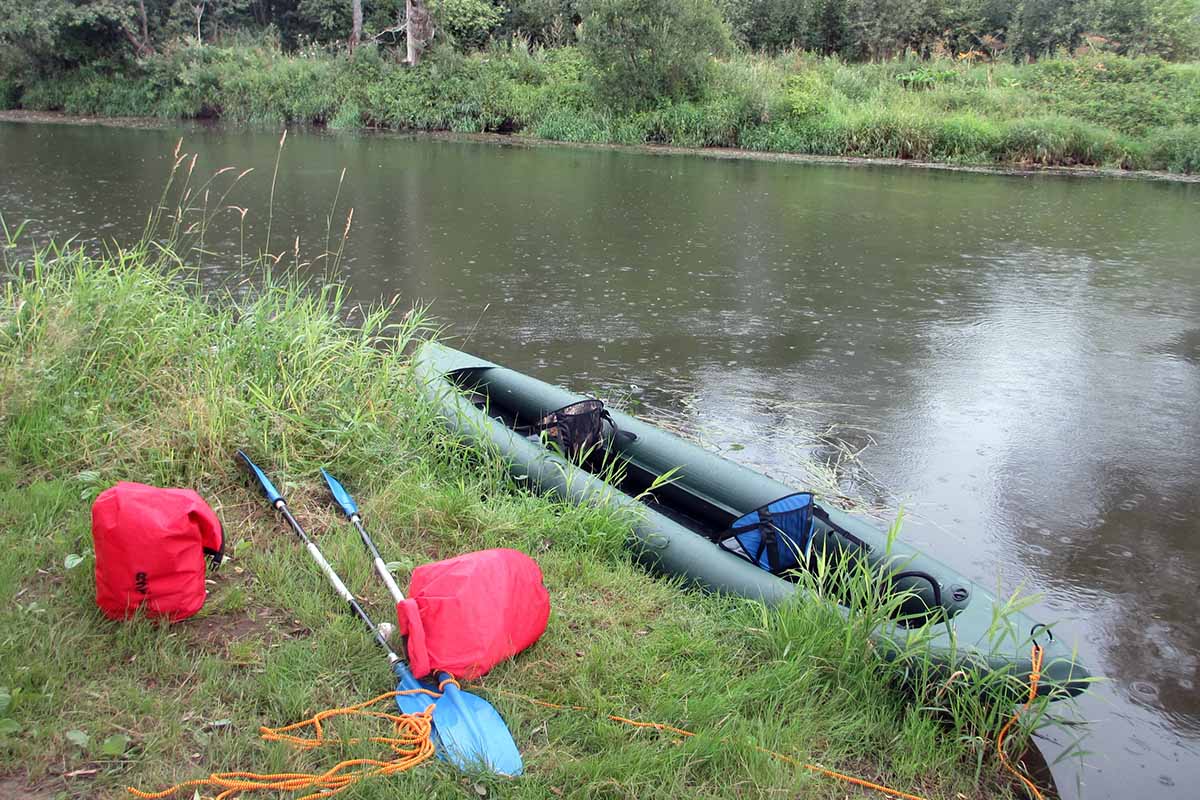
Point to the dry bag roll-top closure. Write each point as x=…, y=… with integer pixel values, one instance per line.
x=151, y=549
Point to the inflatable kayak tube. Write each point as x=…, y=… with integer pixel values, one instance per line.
x=483, y=403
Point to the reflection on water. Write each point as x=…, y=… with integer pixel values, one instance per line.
x=1024, y=352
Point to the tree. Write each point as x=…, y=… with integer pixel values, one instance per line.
x=418, y=28
x=548, y=22
x=776, y=25
x=1168, y=28
x=65, y=32
x=198, y=8
x=643, y=50
x=1040, y=27
x=469, y=22
x=355, y=24
x=828, y=26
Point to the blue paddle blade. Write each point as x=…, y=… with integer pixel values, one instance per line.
x=340, y=495
x=414, y=703
x=264, y=483
x=472, y=733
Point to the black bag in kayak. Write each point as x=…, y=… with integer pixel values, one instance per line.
x=776, y=537
x=578, y=428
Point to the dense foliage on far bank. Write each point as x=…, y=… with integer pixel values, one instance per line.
x=81, y=31
x=1045, y=82
x=1140, y=113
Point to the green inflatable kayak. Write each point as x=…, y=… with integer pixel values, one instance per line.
x=683, y=528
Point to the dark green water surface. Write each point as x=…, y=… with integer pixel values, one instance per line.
x=1023, y=352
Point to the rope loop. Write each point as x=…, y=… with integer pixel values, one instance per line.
x=410, y=742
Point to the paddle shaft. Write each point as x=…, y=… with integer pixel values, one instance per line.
x=335, y=580
x=275, y=498
x=346, y=503
x=380, y=567
x=387, y=578
x=470, y=730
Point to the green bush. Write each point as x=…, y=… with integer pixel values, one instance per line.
x=807, y=94
x=752, y=85
x=886, y=132
x=261, y=87
x=926, y=77
x=1176, y=149
x=570, y=79
x=1060, y=141
x=10, y=94
x=684, y=124
x=821, y=135
x=1132, y=95
x=966, y=138
x=90, y=91
x=569, y=125
x=348, y=117
x=470, y=22
x=851, y=82
x=646, y=50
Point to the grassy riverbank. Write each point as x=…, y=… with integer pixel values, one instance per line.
x=1105, y=111
x=115, y=368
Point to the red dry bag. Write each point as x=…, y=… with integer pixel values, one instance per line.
x=150, y=547
x=469, y=613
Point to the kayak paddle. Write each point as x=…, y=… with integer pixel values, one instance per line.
x=471, y=730
x=420, y=696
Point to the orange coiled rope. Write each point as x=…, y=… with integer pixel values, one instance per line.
x=411, y=743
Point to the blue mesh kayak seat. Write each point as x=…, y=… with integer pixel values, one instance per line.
x=776, y=537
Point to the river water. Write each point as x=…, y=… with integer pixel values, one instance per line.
x=1022, y=354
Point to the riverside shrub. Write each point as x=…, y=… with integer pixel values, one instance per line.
x=643, y=51
x=1176, y=149
x=10, y=93
x=1058, y=141
x=967, y=138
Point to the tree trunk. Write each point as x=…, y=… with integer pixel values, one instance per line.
x=418, y=30
x=198, y=11
x=141, y=44
x=356, y=24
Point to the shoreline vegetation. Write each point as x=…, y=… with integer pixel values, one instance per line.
x=733, y=153
x=1096, y=84
x=117, y=367
x=1099, y=112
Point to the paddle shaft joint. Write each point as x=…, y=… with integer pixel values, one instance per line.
x=336, y=581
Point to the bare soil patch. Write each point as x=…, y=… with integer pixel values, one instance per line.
x=17, y=787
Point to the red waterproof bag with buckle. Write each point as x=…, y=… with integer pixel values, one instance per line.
x=467, y=614
x=150, y=549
